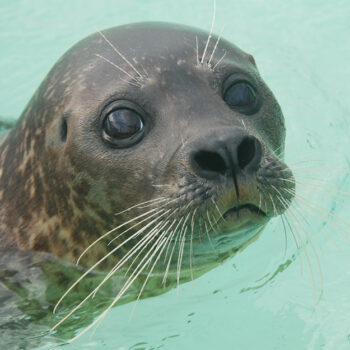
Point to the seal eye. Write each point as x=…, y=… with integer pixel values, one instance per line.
x=241, y=95
x=122, y=124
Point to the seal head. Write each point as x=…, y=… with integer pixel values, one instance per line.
x=176, y=133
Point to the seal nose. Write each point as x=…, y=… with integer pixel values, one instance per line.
x=232, y=156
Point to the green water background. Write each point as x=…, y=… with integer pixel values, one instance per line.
x=263, y=298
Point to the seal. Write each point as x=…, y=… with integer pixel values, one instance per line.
x=150, y=148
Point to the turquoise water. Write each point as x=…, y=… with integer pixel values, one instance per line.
x=263, y=297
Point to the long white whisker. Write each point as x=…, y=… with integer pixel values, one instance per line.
x=152, y=268
x=208, y=235
x=120, y=68
x=137, y=224
x=218, y=62
x=139, y=246
x=118, y=227
x=125, y=287
x=197, y=51
x=121, y=55
x=217, y=208
x=130, y=253
x=181, y=247
x=104, y=258
x=309, y=262
x=148, y=203
x=165, y=224
x=319, y=210
x=345, y=194
x=191, y=242
x=172, y=251
x=210, y=33
x=216, y=45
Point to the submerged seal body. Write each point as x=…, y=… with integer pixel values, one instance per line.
x=173, y=130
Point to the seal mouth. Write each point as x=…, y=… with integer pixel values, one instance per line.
x=237, y=209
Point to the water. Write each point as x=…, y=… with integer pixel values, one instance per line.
x=263, y=297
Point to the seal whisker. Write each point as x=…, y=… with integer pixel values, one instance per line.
x=154, y=247
x=273, y=204
x=144, y=70
x=308, y=262
x=217, y=208
x=191, y=241
x=296, y=241
x=160, y=228
x=299, y=210
x=197, y=51
x=167, y=203
x=172, y=224
x=172, y=251
x=121, y=69
x=308, y=161
x=319, y=210
x=119, y=264
x=343, y=194
x=149, y=203
x=210, y=34
x=104, y=258
x=327, y=169
x=179, y=259
x=129, y=82
x=218, y=62
x=324, y=226
x=285, y=236
x=155, y=230
x=329, y=221
x=143, y=243
x=181, y=247
x=124, y=289
x=167, y=242
x=211, y=225
x=335, y=197
x=118, y=227
x=174, y=221
x=162, y=185
x=140, y=246
x=208, y=235
x=288, y=223
x=306, y=234
x=315, y=254
x=276, y=152
x=338, y=195
x=138, y=223
x=216, y=45
x=121, y=55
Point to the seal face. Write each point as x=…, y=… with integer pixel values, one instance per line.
x=176, y=133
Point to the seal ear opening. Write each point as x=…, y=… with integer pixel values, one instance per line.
x=64, y=130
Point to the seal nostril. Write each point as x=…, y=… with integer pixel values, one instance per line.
x=246, y=152
x=210, y=161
